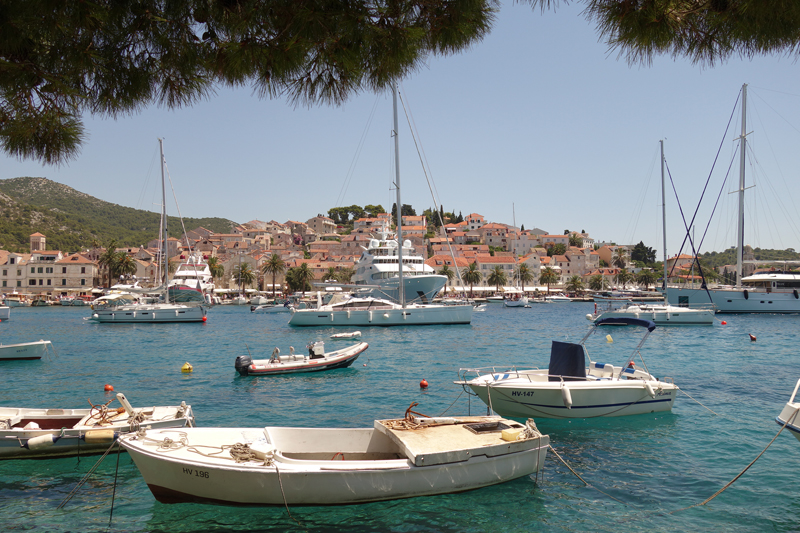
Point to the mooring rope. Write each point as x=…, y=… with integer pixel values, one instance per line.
x=579, y=477
x=731, y=482
x=85, y=477
x=698, y=403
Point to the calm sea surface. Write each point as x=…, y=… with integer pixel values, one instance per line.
x=652, y=465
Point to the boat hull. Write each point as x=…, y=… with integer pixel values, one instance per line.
x=790, y=416
x=174, y=478
x=24, y=351
x=70, y=435
x=409, y=316
x=738, y=300
x=662, y=316
x=147, y=313
x=522, y=399
x=5, y=312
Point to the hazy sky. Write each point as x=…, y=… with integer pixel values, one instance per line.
x=539, y=116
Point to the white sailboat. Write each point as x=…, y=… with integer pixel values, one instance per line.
x=766, y=292
x=126, y=308
x=662, y=314
x=377, y=311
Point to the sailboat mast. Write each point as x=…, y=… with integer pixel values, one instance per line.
x=164, y=258
x=401, y=289
x=740, y=225
x=664, y=218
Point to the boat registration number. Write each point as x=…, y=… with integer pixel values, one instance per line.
x=522, y=393
x=195, y=473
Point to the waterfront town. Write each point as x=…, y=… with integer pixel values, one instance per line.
x=331, y=251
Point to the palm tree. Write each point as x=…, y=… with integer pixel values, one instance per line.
x=244, y=274
x=108, y=259
x=548, y=277
x=575, y=240
x=575, y=285
x=497, y=277
x=125, y=265
x=330, y=274
x=524, y=275
x=448, y=273
x=216, y=268
x=274, y=266
x=645, y=278
x=598, y=282
x=471, y=275
x=344, y=275
x=620, y=257
x=624, y=277
x=303, y=276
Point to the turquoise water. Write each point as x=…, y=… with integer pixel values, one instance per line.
x=652, y=464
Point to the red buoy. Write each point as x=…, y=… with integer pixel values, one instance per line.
x=204, y=318
x=752, y=337
x=723, y=322
x=423, y=384
x=108, y=388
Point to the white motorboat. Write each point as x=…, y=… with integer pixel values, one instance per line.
x=25, y=350
x=5, y=312
x=394, y=459
x=127, y=307
x=557, y=298
x=315, y=361
x=17, y=300
x=239, y=300
x=495, y=299
x=259, y=300
x=272, y=306
x=774, y=291
x=344, y=310
x=378, y=268
x=789, y=415
x=568, y=389
x=661, y=314
x=27, y=433
x=348, y=335
x=516, y=300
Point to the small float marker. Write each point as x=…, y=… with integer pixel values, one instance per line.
x=423, y=384
x=752, y=337
x=609, y=339
x=108, y=388
x=723, y=323
x=186, y=368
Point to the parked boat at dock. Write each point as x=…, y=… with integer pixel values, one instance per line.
x=400, y=458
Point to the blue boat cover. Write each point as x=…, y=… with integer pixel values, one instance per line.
x=616, y=321
x=568, y=361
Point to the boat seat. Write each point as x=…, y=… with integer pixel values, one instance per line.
x=601, y=370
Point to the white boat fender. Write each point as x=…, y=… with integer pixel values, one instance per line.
x=566, y=396
x=42, y=441
x=125, y=403
x=649, y=388
x=589, y=317
x=99, y=436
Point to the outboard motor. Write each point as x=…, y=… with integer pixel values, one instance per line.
x=242, y=363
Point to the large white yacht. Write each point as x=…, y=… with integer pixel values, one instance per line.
x=377, y=269
x=192, y=281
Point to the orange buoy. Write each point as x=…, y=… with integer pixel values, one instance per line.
x=108, y=388
x=423, y=384
x=723, y=322
x=752, y=337
x=204, y=318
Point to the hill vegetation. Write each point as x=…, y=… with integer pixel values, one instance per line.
x=728, y=257
x=72, y=220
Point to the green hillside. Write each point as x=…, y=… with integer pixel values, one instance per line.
x=71, y=220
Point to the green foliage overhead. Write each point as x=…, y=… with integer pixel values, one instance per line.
x=61, y=60
x=71, y=220
x=705, y=31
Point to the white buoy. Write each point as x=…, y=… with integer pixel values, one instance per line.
x=566, y=396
